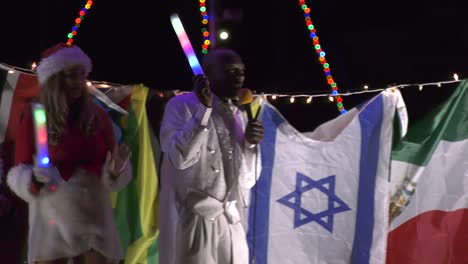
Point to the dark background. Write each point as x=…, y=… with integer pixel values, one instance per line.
x=377, y=43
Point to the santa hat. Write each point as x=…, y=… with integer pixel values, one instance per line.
x=59, y=57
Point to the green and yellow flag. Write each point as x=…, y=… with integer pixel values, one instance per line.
x=136, y=206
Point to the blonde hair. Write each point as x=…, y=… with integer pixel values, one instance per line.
x=53, y=96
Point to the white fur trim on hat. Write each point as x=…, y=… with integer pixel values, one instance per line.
x=61, y=59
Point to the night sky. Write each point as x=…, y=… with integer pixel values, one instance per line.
x=377, y=43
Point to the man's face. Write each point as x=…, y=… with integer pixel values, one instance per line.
x=227, y=76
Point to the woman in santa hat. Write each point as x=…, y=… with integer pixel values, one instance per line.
x=70, y=212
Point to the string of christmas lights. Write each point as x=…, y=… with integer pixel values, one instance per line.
x=292, y=97
x=272, y=96
x=206, y=33
x=12, y=69
x=78, y=22
x=321, y=56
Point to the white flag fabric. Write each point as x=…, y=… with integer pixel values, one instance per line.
x=323, y=196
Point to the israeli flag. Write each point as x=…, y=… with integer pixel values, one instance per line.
x=323, y=196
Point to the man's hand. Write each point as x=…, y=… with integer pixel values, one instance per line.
x=254, y=132
x=201, y=86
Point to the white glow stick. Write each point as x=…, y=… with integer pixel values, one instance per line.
x=40, y=129
x=186, y=45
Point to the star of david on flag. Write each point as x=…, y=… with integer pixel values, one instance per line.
x=324, y=218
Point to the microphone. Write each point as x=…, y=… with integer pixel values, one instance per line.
x=245, y=99
x=245, y=96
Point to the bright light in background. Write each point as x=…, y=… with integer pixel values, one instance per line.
x=455, y=76
x=366, y=87
x=223, y=35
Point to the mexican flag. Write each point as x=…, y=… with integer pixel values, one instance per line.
x=430, y=171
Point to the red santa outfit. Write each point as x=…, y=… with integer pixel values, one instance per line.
x=76, y=214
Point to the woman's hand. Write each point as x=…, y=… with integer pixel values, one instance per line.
x=117, y=159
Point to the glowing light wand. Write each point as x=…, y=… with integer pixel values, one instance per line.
x=40, y=129
x=186, y=45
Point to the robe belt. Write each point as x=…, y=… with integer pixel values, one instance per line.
x=211, y=208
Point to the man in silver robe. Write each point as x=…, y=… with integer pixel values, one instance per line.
x=211, y=160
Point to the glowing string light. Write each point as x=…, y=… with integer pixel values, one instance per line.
x=186, y=45
x=321, y=57
x=272, y=96
x=78, y=22
x=205, y=21
x=40, y=127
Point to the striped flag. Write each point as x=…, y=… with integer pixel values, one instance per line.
x=17, y=88
x=323, y=197
x=136, y=206
x=431, y=161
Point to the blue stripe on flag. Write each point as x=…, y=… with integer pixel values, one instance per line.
x=259, y=211
x=371, y=123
